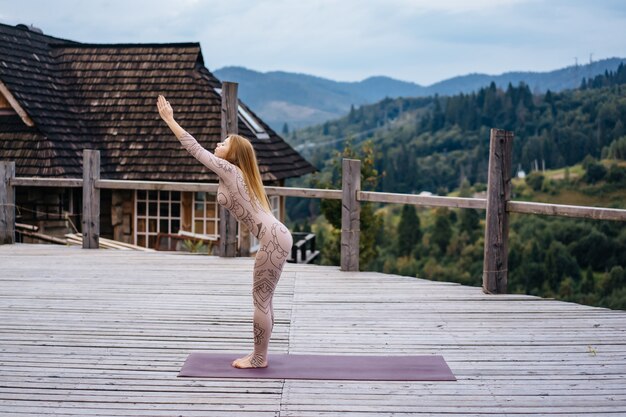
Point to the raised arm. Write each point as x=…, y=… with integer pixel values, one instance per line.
x=221, y=167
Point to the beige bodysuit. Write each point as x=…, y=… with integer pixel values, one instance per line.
x=275, y=239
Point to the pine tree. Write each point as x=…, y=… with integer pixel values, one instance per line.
x=438, y=118
x=442, y=230
x=409, y=233
x=469, y=222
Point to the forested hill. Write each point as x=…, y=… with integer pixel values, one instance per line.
x=301, y=100
x=433, y=143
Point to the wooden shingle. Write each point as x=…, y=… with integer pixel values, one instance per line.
x=98, y=96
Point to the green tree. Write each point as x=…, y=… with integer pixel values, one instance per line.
x=560, y=264
x=409, y=232
x=617, y=149
x=595, y=172
x=616, y=174
x=528, y=269
x=567, y=289
x=442, y=230
x=616, y=279
x=329, y=247
x=588, y=285
x=534, y=180
x=469, y=222
x=592, y=250
x=438, y=117
x=616, y=300
x=352, y=114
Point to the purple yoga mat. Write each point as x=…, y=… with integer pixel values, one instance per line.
x=324, y=367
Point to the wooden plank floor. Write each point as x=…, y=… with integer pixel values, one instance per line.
x=104, y=333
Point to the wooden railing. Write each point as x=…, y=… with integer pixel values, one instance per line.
x=497, y=204
x=303, y=249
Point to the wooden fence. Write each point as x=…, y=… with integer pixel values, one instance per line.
x=497, y=204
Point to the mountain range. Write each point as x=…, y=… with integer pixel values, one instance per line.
x=301, y=100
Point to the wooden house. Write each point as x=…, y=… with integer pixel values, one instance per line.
x=59, y=97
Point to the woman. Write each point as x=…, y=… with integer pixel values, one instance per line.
x=241, y=192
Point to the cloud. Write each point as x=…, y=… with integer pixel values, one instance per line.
x=455, y=6
x=418, y=40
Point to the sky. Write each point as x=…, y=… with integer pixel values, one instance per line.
x=423, y=41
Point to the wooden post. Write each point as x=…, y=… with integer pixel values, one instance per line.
x=228, y=224
x=91, y=199
x=350, y=214
x=7, y=203
x=495, y=263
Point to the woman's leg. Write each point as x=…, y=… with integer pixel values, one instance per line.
x=268, y=266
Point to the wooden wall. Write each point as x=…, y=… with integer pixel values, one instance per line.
x=122, y=211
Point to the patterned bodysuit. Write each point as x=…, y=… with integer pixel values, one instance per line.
x=275, y=239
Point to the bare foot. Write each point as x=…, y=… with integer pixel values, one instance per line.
x=250, y=361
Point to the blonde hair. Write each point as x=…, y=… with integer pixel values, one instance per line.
x=241, y=153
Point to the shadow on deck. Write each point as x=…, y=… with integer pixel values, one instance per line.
x=97, y=332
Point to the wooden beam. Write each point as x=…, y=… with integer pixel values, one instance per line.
x=596, y=213
x=47, y=182
x=44, y=237
x=29, y=227
x=157, y=185
x=15, y=105
x=7, y=203
x=421, y=200
x=495, y=262
x=350, y=214
x=305, y=192
x=228, y=223
x=91, y=199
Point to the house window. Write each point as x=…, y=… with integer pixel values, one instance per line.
x=252, y=123
x=249, y=120
x=155, y=212
x=205, y=215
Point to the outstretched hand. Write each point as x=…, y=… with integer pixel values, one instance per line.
x=165, y=110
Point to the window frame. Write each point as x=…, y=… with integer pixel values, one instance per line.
x=158, y=218
x=204, y=218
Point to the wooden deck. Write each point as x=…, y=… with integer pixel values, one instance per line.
x=104, y=333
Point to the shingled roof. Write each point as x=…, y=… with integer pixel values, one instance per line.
x=102, y=96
